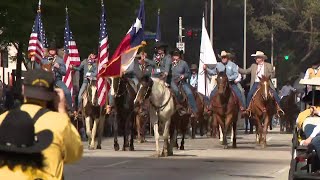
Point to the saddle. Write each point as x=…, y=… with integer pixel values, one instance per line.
x=182, y=106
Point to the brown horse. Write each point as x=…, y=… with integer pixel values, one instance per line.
x=141, y=119
x=290, y=108
x=225, y=107
x=262, y=108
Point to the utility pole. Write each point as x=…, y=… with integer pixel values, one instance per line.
x=206, y=12
x=180, y=43
x=211, y=21
x=245, y=35
x=272, y=40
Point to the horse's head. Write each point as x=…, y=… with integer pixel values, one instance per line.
x=144, y=91
x=264, y=87
x=222, y=82
x=92, y=94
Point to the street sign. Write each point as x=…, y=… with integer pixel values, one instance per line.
x=180, y=46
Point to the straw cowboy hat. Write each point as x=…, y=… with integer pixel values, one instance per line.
x=259, y=54
x=17, y=134
x=224, y=54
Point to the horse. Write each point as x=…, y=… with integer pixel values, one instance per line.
x=141, y=119
x=161, y=110
x=262, y=109
x=290, y=108
x=92, y=112
x=225, y=107
x=124, y=112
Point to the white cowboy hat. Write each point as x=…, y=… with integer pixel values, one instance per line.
x=223, y=54
x=259, y=54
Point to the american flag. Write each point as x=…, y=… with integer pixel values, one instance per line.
x=103, y=57
x=71, y=55
x=37, y=39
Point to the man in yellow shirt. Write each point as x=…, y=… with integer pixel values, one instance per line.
x=308, y=112
x=39, y=98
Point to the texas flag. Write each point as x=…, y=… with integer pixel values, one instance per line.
x=125, y=53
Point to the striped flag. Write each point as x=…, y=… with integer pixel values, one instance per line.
x=71, y=54
x=103, y=56
x=37, y=39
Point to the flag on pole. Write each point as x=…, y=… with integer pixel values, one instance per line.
x=158, y=34
x=103, y=56
x=71, y=54
x=128, y=48
x=37, y=39
x=207, y=56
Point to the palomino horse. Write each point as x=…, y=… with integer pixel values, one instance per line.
x=262, y=109
x=161, y=109
x=225, y=108
x=124, y=109
x=290, y=108
x=93, y=112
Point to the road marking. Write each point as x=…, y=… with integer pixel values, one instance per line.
x=269, y=138
x=115, y=164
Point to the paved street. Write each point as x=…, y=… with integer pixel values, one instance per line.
x=203, y=159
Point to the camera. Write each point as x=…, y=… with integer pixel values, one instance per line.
x=50, y=58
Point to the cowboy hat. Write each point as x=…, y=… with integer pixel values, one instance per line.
x=223, y=54
x=17, y=134
x=193, y=67
x=161, y=45
x=259, y=54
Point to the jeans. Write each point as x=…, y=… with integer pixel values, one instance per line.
x=235, y=89
x=316, y=140
x=254, y=89
x=81, y=91
x=67, y=93
x=187, y=90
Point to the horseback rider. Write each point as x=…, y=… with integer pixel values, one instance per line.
x=59, y=70
x=89, y=67
x=286, y=89
x=140, y=67
x=180, y=74
x=162, y=62
x=194, y=76
x=232, y=73
x=257, y=70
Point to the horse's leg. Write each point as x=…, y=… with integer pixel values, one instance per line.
x=88, y=129
x=156, y=137
x=227, y=122
x=234, y=137
x=115, y=132
x=173, y=135
x=94, y=133
x=132, y=132
x=184, y=127
x=193, y=121
x=126, y=134
x=138, y=127
x=221, y=134
x=100, y=130
x=251, y=126
x=246, y=120
x=265, y=131
x=166, y=144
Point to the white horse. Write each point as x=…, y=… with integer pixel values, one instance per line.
x=93, y=112
x=161, y=110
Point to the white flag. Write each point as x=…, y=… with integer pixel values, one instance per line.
x=207, y=56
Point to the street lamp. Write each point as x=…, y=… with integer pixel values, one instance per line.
x=245, y=35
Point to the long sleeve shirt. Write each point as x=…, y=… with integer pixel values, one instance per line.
x=89, y=70
x=181, y=68
x=231, y=70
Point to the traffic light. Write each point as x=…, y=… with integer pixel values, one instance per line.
x=189, y=33
x=286, y=57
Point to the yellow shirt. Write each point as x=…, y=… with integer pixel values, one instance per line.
x=303, y=115
x=29, y=174
x=66, y=146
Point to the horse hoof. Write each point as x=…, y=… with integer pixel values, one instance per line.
x=251, y=132
x=157, y=155
x=263, y=146
x=91, y=148
x=234, y=146
x=182, y=148
x=131, y=148
x=225, y=147
x=170, y=153
x=116, y=147
x=125, y=148
x=164, y=154
x=99, y=147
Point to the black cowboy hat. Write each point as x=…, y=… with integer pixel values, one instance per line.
x=17, y=134
x=39, y=84
x=176, y=52
x=160, y=45
x=52, y=46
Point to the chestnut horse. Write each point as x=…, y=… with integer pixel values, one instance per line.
x=262, y=108
x=225, y=107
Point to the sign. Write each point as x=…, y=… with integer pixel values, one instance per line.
x=274, y=82
x=180, y=46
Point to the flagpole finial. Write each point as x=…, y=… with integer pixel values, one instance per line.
x=39, y=6
x=158, y=11
x=102, y=3
x=66, y=9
